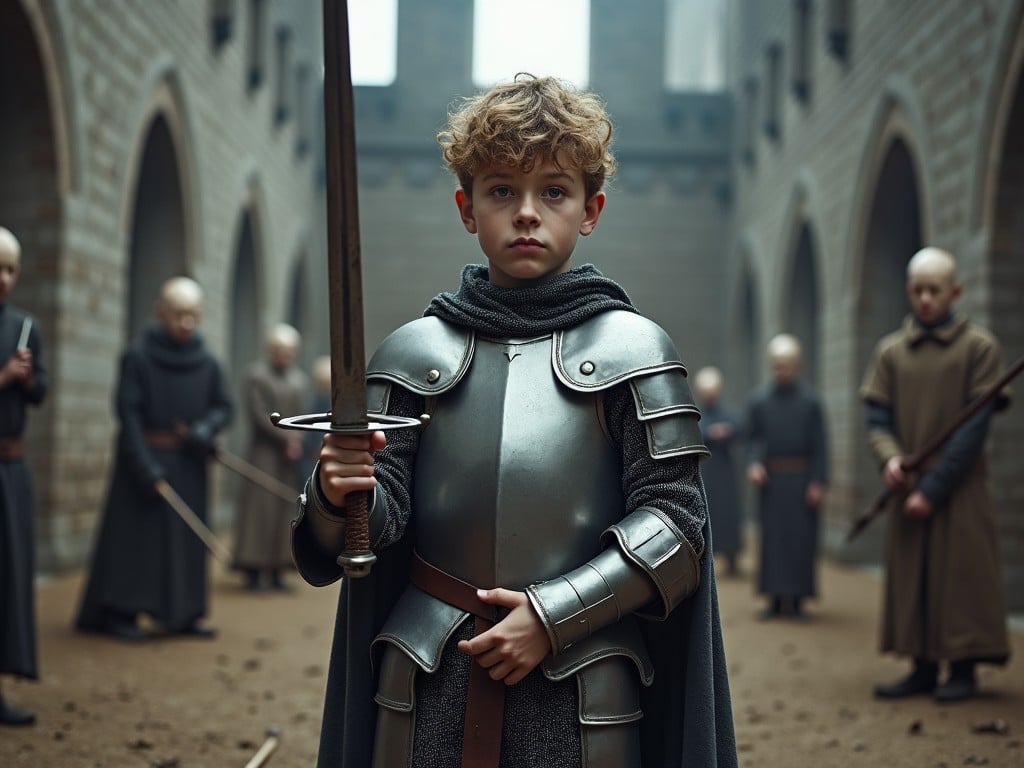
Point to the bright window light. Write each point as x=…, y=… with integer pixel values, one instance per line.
x=542, y=37
x=373, y=34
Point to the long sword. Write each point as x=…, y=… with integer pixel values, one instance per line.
x=345, y=292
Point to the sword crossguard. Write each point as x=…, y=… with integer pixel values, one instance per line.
x=358, y=558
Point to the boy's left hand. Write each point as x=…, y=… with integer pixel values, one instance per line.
x=513, y=647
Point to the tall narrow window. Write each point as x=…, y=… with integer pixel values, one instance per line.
x=283, y=45
x=302, y=109
x=257, y=37
x=374, y=40
x=773, y=91
x=222, y=17
x=559, y=46
x=694, y=45
x=750, y=89
x=838, y=27
x=802, y=50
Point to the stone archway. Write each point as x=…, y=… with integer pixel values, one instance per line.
x=893, y=232
x=1006, y=291
x=246, y=324
x=31, y=207
x=801, y=309
x=158, y=236
x=744, y=364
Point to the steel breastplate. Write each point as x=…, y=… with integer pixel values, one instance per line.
x=516, y=475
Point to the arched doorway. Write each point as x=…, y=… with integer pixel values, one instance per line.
x=158, y=239
x=246, y=337
x=801, y=309
x=893, y=233
x=298, y=309
x=745, y=366
x=32, y=208
x=1006, y=289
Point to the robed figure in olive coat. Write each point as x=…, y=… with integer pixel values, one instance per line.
x=944, y=598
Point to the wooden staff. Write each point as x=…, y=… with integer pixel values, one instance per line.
x=914, y=463
x=267, y=749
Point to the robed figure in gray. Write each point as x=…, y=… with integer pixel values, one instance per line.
x=171, y=403
x=789, y=466
x=23, y=382
x=722, y=430
x=262, y=520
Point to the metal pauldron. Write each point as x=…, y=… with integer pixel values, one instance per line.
x=652, y=564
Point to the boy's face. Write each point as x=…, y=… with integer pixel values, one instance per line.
x=528, y=223
x=932, y=293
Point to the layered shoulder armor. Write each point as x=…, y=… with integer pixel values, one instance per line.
x=622, y=347
x=426, y=356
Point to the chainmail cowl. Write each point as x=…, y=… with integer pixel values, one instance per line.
x=563, y=301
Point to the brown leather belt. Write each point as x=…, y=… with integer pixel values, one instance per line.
x=485, y=698
x=165, y=440
x=787, y=465
x=12, y=448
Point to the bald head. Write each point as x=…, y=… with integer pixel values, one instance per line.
x=9, y=245
x=10, y=262
x=282, y=345
x=932, y=286
x=932, y=262
x=180, y=308
x=322, y=373
x=707, y=384
x=784, y=355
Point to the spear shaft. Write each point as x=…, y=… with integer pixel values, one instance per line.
x=914, y=462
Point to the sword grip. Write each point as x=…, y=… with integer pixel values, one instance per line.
x=357, y=559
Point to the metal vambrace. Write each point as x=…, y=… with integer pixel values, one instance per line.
x=652, y=567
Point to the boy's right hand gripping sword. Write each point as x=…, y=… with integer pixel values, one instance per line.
x=348, y=367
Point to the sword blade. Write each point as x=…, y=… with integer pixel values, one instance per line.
x=344, y=268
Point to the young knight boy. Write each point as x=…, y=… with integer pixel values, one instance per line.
x=944, y=589
x=542, y=594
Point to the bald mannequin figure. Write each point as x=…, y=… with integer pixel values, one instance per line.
x=721, y=429
x=262, y=520
x=23, y=383
x=171, y=403
x=789, y=467
x=941, y=520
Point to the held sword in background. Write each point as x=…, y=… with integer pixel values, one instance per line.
x=914, y=463
x=344, y=277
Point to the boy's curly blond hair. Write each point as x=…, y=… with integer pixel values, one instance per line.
x=528, y=120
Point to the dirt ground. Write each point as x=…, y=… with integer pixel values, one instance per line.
x=801, y=692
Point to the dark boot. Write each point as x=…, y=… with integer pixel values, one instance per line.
x=960, y=685
x=772, y=610
x=13, y=716
x=252, y=580
x=921, y=680
x=124, y=626
x=277, y=583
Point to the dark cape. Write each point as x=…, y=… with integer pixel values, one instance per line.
x=146, y=559
x=786, y=426
x=688, y=715
x=721, y=480
x=17, y=507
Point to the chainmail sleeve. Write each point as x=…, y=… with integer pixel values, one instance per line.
x=672, y=485
x=393, y=466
